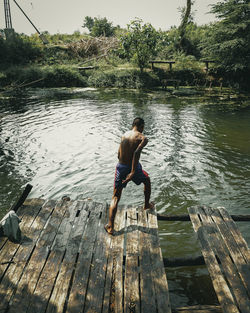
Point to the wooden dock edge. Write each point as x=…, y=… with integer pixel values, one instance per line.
x=198, y=309
x=174, y=262
x=186, y=217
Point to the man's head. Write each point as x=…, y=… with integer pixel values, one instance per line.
x=138, y=123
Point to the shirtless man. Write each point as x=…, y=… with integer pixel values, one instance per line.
x=129, y=168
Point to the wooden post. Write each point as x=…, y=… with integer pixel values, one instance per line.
x=207, y=64
x=22, y=198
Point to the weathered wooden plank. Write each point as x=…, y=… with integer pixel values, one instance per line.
x=220, y=285
x=230, y=234
x=147, y=293
x=107, y=299
x=79, y=286
x=117, y=251
x=95, y=293
x=33, y=203
x=10, y=281
x=51, y=268
x=242, y=245
x=131, y=287
x=59, y=295
x=107, y=241
x=113, y=293
x=159, y=275
x=219, y=246
x=236, y=251
x=198, y=309
x=24, y=295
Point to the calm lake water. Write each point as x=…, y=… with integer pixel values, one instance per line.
x=65, y=142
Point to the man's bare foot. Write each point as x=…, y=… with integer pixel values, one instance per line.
x=149, y=206
x=109, y=230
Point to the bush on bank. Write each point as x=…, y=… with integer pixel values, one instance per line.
x=69, y=76
x=66, y=76
x=18, y=50
x=37, y=76
x=125, y=78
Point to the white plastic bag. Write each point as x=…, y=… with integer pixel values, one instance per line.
x=10, y=226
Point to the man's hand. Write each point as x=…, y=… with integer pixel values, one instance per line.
x=128, y=178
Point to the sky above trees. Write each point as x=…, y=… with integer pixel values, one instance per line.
x=65, y=16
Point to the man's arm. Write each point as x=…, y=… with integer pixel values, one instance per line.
x=119, y=150
x=137, y=154
x=136, y=158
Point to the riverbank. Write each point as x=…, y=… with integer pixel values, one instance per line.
x=100, y=62
x=105, y=75
x=98, y=76
x=180, y=83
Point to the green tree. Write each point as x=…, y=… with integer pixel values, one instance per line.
x=18, y=49
x=228, y=40
x=99, y=26
x=88, y=23
x=140, y=42
x=170, y=42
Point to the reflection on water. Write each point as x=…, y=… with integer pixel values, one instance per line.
x=66, y=141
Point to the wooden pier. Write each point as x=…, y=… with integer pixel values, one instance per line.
x=227, y=257
x=68, y=263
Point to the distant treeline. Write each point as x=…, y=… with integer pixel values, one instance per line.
x=110, y=48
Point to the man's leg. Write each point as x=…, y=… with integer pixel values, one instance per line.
x=113, y=209
x=147, y=193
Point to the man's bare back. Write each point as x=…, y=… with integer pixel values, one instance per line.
x=129, y=143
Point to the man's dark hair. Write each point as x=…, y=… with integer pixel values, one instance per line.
x=138, y=122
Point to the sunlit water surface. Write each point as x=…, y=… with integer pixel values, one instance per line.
x=65, y=142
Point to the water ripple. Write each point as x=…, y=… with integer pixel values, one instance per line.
x=69, y=144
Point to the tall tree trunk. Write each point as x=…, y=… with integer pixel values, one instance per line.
x=182, y=27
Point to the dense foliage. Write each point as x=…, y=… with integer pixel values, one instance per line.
x=228, y=40
x=170, y=42
x=116, y=53
x=18, y=50
x=98, y=26
x=140, y=42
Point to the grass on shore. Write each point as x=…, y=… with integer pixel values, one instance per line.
x=106, y=73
